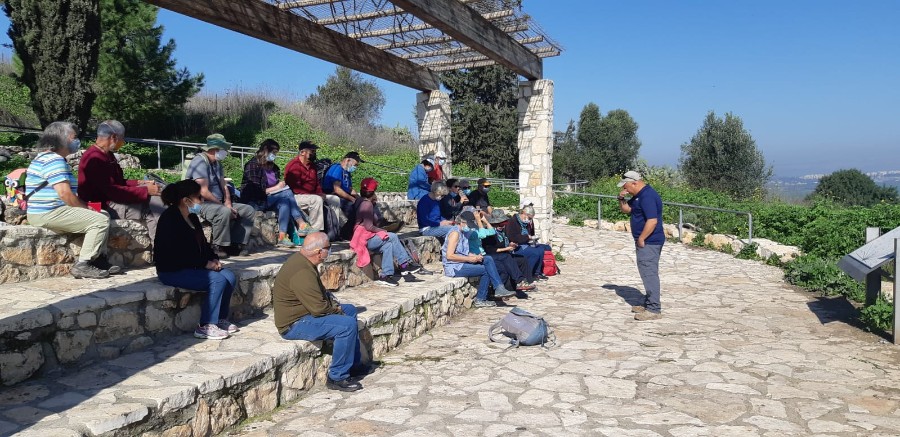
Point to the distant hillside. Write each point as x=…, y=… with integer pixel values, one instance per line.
x=795, y=188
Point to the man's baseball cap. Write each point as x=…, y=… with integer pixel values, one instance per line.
x=368, y=184
x=630, y=176
x=484, y=182
x=216, y=141
x=306, y=145
x=354, y=156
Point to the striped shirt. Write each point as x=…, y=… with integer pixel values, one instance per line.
x=50, y=167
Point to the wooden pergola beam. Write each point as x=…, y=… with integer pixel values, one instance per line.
x=360, y=17
x=440, y=39
x=460, y=50
x=303, y=4
x=453, y=64
x=416, y=27
x=471, y=29
x=269, y=23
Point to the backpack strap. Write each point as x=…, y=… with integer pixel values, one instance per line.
x=495, y=335
x=36, y=189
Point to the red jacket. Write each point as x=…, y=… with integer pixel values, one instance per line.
x=303, y=179
x=100, y=179
x=437, y=174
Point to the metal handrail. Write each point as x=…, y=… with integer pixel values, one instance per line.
x=680, y=206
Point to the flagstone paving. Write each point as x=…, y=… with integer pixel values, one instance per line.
x=737, y=353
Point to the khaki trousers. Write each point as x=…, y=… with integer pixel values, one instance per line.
x=312, y=205
x=71, y=220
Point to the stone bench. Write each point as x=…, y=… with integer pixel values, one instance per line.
x=60, y=323
x=185, y=386
x=29, y=253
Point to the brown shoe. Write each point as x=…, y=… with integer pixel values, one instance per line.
x=638, y=308
x=647, y=315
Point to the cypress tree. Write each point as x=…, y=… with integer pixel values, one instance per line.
x=58, y=42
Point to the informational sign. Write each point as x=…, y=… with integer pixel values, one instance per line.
x=869, y=257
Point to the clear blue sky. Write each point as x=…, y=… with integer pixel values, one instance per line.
x=817, y=82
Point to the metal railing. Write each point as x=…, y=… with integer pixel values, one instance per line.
x=681, y=207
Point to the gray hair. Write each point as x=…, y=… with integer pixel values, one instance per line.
x=110, y=127
x=56, y=136
x=528, y=210
x=315, y=241
x=439, y=188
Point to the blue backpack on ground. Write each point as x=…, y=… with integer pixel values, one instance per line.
x=520, y=327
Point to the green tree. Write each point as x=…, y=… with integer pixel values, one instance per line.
x=619, y=143
x=346, y=93
x=853, y=188
x=723, y=157
x=605, y=146
x=565, y=155
x=138, y=82
x=58, y=42
x=483, y=106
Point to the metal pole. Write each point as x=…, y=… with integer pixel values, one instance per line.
x=873, y=279
x=599, y=212
x=680, y=223
x=158, y=157
x=896, y=286
x=749, y=228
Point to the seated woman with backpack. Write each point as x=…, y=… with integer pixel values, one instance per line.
x=513, y=269
x=368, y=236
x=185, y=259
x=262, y=189
x=520, y=230
x=460, y=262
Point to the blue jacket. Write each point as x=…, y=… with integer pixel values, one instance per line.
x=418, y=184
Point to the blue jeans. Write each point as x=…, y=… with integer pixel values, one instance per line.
x=648, y=268
x=285, y=207
x=487, y=270
x=218, y=285
x=344, y=331
x=534, y=255
x=437, y=231
x=391, y=250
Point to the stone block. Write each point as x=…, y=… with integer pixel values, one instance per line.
x=187, y=319
x=71, y=345
x=19, y=366
x=157, y=319
x=22, y=255
x=137, y=344
x=200, y=423
x=109, y=352
x=223, y=413
x=718, y=241
x=261, y=399
x=27, y=320
x=86, y=320
x=78, y=304
x=47, y=254
x=116, y=323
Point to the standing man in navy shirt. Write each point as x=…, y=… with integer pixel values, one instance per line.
x=645, y=208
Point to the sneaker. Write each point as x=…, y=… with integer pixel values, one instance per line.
x=484, y=303
x=285, y=242
x=343, y=385
x=525, y=286
x=243, y=250
x=521, y=294
x=102, y=263
x=221, y=253
x=387, y=281
x=647, y=315
x=540, y=277
x=228, y=327
x=83, y=269
x=210, y=332
x=638, y=308
x=417, y=269
x=503, y=292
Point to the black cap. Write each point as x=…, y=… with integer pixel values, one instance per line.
x=469, y=218
x=306, y=145
x=354, y=156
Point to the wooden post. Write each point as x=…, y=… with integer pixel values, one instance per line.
x=873, y=279
x=896, y=287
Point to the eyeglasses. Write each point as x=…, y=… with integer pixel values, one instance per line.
x=455, y=186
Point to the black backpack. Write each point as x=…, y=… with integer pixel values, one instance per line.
x=322, y=166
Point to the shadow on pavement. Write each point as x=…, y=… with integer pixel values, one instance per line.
x=631, y=296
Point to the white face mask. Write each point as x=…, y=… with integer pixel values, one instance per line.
x=221, y=154
x=271, y=157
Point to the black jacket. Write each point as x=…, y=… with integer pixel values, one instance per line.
x=514, y=231
x=177, y=246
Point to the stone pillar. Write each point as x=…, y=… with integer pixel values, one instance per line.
x=433, y=118
x=536, y=152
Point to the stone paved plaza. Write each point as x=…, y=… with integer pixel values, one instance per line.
x=738, y=353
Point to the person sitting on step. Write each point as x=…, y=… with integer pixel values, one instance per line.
x=428, y=212
x=262, y=189
x=520, y=230
x=460, y=262
x=185, y=259
x=53, y=203
x=367, y=236
x=514, y=269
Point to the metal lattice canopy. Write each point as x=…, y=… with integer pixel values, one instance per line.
x=404, y=41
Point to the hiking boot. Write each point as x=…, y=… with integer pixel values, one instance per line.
x=220, y=252
x=102, y=263
x=343, y=385
x=387, y=281
x=484, y=303
x=647, y=315
x=503, y=292
x=524, y=286
x=83, y=269
x=228, y=327
x=210, y=332
x=638, y=308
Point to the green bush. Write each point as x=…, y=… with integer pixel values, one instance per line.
x=879, y=316
x=822, y=275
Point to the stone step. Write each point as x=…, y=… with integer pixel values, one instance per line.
x=62, y=323
x=187, y=386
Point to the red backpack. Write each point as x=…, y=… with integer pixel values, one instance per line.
x=550, y=267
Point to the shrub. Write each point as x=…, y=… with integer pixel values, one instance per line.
x=878, y=316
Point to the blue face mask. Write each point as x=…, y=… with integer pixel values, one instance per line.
x=466, y=230
x=486, y=189
x=194, y=208
x=351, y=169
x=221, y=154
x=467, y=191
x=271, y=157
x=74, y=145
